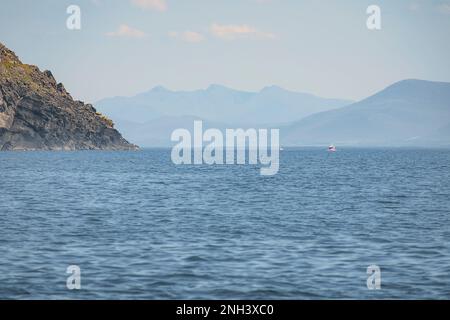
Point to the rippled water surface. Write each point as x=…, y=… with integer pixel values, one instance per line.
x=140, y=227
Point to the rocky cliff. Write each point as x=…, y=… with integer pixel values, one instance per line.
x=37, y=113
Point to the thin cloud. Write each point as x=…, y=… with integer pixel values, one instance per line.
x=188, y=36
x=126, y=31
x=158, y=5
x=232, y=32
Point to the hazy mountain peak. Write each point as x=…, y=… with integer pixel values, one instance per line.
x=272, y=88
x=413, y=84
x=405, y=113
x=159, y=88
x=415, y=89
x=277, y=90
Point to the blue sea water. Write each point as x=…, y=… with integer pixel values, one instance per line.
x=140, y=227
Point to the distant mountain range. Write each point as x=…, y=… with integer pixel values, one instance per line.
x=407, y=113
x=148, y=119
x=220, y=104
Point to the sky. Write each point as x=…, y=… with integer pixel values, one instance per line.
x=125, y=47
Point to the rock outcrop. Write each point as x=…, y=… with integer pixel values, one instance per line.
x=37, y=113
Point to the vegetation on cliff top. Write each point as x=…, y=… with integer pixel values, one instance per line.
x=36, y=112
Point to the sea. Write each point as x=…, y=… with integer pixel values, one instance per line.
x=136, y=226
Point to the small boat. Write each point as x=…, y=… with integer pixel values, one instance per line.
x=332, y=148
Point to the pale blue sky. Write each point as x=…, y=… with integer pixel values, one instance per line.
x=321, y=47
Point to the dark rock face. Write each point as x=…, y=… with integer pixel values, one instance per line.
x=37, y=113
